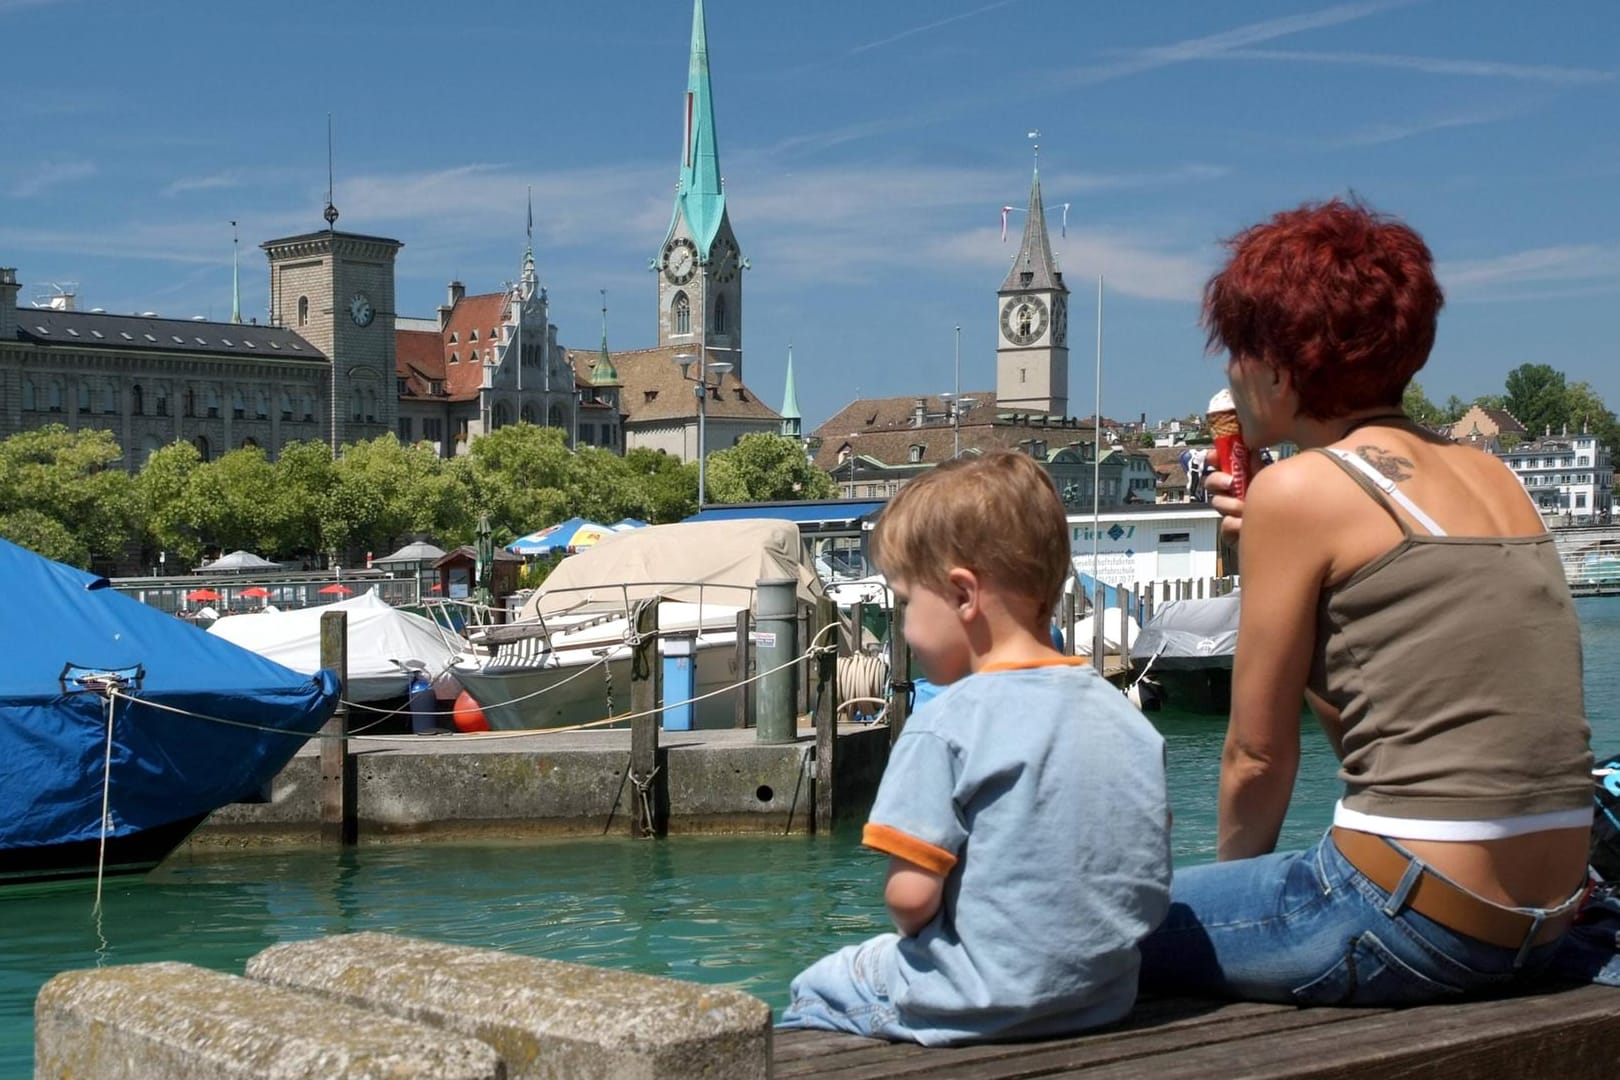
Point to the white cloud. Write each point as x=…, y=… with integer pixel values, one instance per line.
x=1396, y=130
x=1486, y=69
x=1504, y=276
x=49, y=174
x=902, y=35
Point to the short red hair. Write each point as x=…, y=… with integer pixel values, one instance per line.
x=1341, y=296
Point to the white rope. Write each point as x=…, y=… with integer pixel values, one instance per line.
x=106, y=801
x=861, y=680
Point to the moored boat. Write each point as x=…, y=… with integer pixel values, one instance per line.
x=122, y=727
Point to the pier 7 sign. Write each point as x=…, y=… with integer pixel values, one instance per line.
x=1165, y=541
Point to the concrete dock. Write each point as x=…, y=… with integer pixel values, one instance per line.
x=461, y=786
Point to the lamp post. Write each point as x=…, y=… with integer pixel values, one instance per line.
x=705, y=365
x=958, y=403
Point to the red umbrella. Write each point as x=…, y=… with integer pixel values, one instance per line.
x=256, y=592
x=335, y=589
x=206, y=596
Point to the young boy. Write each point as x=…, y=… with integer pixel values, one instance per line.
x=1023, y=809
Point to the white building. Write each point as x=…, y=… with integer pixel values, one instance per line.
x=1140, y=544
x=1569, y=477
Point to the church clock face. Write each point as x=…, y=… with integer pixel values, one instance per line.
x=680, y=260
x=723, y=260
x=360, y=309
x=1023, y=319
x=1060, y=321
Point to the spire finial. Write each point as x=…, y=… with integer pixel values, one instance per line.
x=331, y=212
x=1035, y=138
x=604, y=320
x=236, y=280
x=531, y=217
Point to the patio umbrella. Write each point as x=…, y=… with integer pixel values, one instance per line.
x=202, y=595
x=627, y=523
x=256, y=592
x=335, y=590
x=570, y=535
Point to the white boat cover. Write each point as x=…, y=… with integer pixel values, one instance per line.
x=672, y=561
x=1190, y=634
x=385, y=643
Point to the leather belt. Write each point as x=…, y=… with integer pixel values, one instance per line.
x=1439, y=900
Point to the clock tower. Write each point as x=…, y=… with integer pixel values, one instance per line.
x=336, y=290
x=700, y=264
x=1032, y=314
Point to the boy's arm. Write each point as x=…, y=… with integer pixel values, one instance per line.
x=913, y=894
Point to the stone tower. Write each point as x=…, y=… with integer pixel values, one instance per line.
x=336, y=290
x=700, y=266
x=1032, y=311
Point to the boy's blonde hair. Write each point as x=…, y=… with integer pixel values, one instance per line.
x=998, y=515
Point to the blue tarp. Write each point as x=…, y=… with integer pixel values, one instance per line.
x=807, y=513
x=166, y=767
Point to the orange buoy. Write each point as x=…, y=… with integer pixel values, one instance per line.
x=467, y=715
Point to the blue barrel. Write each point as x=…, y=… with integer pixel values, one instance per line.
x=424, y=705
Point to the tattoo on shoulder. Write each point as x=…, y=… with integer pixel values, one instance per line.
x=1392, y=466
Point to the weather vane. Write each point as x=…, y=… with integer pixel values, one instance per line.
x=1035, y=136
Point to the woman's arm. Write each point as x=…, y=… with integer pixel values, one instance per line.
x=1285, y=560
x=913, y=895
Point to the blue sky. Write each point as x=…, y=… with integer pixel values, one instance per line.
x=867, y=149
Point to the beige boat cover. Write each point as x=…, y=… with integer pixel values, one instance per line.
x=672, y=560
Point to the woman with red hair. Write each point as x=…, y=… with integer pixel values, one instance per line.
x=1406, y=587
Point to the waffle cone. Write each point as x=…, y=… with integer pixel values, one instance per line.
x=1223, y=423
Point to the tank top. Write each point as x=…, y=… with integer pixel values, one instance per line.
x=1455, y=664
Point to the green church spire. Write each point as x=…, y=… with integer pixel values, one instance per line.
x=603, y=373
x=791, y=417
x=699, y=197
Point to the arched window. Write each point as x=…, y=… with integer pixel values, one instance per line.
x=530, y=414
x=160, y=399
x=28, y=402
x=151, y=444
x=555, y=417
x=303, y=311
x=681, y=317
x=371, y=405
x=249, y=441
x=263, y=405
x=109, y=397
x=720, y=314
x=53, y=397
x=286, y=405
x=238, y=405
x=357, y=408
x=212, y=402
x=309, y=406
x=201, y=443
x=82, y=392
x=137, y=401
x=188, y=402
x=501, y=417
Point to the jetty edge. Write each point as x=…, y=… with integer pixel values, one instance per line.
x=374, y=1005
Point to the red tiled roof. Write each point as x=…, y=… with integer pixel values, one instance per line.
x=419, y=359
x=479, y=316
x=882, y=429
x=651, y=386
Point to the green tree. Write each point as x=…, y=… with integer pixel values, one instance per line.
x=72, y=478
x=1454, y=408
x=383, y=491
x=160, y=489
x=520, y=476
x=1416, y=404
x=231, y=501
x=305, y=475
x=664, y=489
x=44, y=535
x=1537, y=396
x=765, y=468
x=1588, y=413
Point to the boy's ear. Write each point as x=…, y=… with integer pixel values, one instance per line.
x=964, y=590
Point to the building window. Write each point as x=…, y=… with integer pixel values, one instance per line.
x=109, y=397
x=406, y=429
x=213, y=403
x=916, y=453
x=720, y=314
x=28, y=402
x=53, y=397
x=262, y=405
x=201, y=443
x=402, y=387
x=454, y=359
x=309, y=407
x=137, y=401
x=286, y=405
x=433, y=430
x=188, y=402
x=238, y=405
x=681, y=317
x=160, y=400
x=472, y=335
x=303, y=311
x=84, y=397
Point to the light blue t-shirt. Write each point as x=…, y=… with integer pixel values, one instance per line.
x=1042, y=790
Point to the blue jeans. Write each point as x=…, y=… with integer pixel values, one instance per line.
x=1307, y=928
x=849, y=991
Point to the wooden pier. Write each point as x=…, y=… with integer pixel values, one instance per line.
x=1565, y=1034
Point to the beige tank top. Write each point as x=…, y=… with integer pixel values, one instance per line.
x=1455, y=663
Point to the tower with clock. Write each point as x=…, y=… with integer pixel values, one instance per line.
x=336, y=291
x=1032, y=312
x=700, y=265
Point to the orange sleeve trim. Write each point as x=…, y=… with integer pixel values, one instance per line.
x=892, y=841
x=1055, y=661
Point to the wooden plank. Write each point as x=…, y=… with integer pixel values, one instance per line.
x=1154, y=1024
x=826, y=718
x=340, y=772
x=1566, y=1034
x=649, y=787
x=794, y=1044
x=743, y=716
x=899, y=689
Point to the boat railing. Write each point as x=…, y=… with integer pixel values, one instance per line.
x=528, y=639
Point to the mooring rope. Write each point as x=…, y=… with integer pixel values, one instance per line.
x=106, y=802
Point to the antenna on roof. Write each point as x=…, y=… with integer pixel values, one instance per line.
x=236, y=280
x=331, y=212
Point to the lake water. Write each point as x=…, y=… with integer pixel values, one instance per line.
x=746, y=912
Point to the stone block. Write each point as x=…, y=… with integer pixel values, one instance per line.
x=138, y=1021
x=546, y=1018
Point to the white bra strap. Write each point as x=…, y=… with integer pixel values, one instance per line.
x=1387, y=486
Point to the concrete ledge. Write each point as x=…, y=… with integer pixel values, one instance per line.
x=544, y=1017
x=178, y=1021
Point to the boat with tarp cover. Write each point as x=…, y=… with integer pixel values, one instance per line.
x=122, y=727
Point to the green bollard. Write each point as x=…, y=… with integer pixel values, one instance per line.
x=775, y=645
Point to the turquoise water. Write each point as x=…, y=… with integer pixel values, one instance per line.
x=746, y=912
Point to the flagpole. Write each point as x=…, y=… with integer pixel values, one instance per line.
x=1096, y=449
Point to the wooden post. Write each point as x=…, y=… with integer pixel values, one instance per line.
x=899, y=672
x=1127, y=612
x=1200, y=588
x=649, y=787
x=340, y=775
x=826, y=718
x=745, y=694
x=1070, y=647
x=1099, y=645
x=857, y=616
